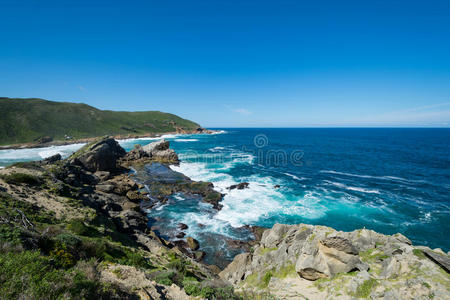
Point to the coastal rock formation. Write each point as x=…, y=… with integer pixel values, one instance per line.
x=160, y=151
x=101, y=155
x=79, y=220
x=318, y=262
x=239, y=186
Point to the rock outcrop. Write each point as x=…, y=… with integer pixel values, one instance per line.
x=92, y=202
x=239, y=186
x=101, y=155
x=160, y=151
x=318, y=262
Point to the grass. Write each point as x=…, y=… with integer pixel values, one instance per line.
x=27, y=120
x=263, y=251
x=364, y=290
x=419, y=253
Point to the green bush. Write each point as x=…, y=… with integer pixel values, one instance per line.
x=77, y=226
x=192, y=289
x=18, y=178
x=165, y=278
x=28, y=275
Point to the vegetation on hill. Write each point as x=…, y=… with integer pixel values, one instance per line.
x=28, y=120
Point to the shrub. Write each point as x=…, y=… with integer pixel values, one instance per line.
x=77, y=226
x=29, y=275
x=165, y=278
x=18, y=178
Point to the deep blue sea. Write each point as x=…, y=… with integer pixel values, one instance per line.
x=388, y=180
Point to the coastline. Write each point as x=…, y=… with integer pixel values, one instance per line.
x=286, y=261
x=32, y=145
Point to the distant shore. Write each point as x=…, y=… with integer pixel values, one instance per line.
x=90, y=139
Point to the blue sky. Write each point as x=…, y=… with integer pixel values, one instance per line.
x=236, y=63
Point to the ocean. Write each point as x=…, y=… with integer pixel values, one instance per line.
x=389, y=180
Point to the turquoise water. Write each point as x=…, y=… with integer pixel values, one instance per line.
x=388, y=180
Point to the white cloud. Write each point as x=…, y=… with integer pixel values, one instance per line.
x=82, y=88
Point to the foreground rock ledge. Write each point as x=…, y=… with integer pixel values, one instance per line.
x=318, y=262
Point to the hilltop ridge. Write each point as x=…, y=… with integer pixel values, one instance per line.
x=34, y=120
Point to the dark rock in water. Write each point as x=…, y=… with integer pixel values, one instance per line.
x=199, y=255
x=277, y=186
x=340, y=244
x=442, y=260
x=182, y=226
x=53, y=158
x=180, y=235
x=157, y=172
x=101, y=155
x=193, y=244
x=239, y=186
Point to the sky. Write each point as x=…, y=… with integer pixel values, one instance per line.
x=236, y=63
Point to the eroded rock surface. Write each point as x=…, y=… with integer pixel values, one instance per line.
x=318, y=262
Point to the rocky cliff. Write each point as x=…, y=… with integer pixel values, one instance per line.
x=317, y=262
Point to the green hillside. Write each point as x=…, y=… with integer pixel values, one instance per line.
x=27, y=120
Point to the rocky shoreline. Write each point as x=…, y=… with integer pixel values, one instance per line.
x=97, y=195
x=48, y=141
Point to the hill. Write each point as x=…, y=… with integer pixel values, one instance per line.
x=28, y=120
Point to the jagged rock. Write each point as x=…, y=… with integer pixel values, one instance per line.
x=340, y=244
x=101, y=155
x=180, y=235
x=235, y=271
x=102, y=175
x=182, y=226
x=192, y=243
x=160, y=151
x=440, y=259
x=52, y=159
x=134, y=196
x=288, y=257
x=327, y=262
x=239, y=186
x=137, y=153
x=199, y=255
x=130, y=220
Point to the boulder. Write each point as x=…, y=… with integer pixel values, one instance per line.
x=192, y=243
x=441, y=259
x=160, y=151
x=199, y=255
x=101, y=155
x=182, y=226
x=332, y=256
x=236, y=270
x=137, y=153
